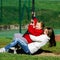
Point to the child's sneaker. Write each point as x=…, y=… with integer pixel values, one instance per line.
x=2, y=50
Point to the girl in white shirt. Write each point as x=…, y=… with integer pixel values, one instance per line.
x=33, y=47
x=41, y=40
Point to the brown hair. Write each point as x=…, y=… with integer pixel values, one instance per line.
x=51, y=34
x=42, y=24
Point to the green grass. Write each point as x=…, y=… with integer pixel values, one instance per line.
x=7, y=56
x=5, y=41
x=7, y=36
x=55, y=50
x=11, y=56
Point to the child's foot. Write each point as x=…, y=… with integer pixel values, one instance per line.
x=2, y=50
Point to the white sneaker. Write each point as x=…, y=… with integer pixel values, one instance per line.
x=14, y=49
x=2, y=50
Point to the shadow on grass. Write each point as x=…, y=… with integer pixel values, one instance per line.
x=20, y=51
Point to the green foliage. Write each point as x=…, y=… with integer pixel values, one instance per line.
x=50, y=18
x=47, y=11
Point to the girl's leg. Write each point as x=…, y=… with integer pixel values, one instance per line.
x=24, y=45
x=11, y=45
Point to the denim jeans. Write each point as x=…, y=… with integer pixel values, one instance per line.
x=22, y=44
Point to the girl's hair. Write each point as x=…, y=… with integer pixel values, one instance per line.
x=51, y=34
x=42, y=24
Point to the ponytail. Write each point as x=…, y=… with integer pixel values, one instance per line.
x=52, y=41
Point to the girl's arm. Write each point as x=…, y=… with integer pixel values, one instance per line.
x=35, y=38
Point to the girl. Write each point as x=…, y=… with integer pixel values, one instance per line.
x=33, y=47
x=33, y=30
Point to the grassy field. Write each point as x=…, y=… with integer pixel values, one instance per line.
x=7, y=36
x=11, y=56
x=8, y=56
x=26, y=57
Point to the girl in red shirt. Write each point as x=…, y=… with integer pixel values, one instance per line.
x=33, y=29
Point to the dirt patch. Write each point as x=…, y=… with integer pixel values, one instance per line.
x=48, y=54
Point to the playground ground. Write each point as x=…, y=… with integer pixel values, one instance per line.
x=48, y=53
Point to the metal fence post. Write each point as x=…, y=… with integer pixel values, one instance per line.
x=1, y=11
x=20, y=16
x=33, y=7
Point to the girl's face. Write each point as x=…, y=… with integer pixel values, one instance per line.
x=46, y=31
x=38, y=25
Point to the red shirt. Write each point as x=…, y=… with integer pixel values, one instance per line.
x=32, y=31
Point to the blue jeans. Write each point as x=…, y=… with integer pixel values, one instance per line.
x=22, y=44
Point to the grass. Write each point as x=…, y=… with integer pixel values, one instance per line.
x=8, y=56
x=53, y=49
x=5, y=39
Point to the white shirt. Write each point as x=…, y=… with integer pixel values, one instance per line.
x=39, y=42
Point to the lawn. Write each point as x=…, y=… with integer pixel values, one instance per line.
x=7, y=36
x=7, y=56
x=11, y=56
